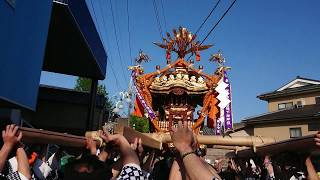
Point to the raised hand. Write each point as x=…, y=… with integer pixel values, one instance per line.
x=182, y=138
x=140, y=148
x=137, y=147
x=116, y=139
x=11, y=136
x=317, y=139
x=92, y=146
x=134, y=145
x=129, y=156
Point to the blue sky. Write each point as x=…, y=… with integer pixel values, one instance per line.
x=267, y=42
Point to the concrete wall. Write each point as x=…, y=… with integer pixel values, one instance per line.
x=240, y=133
x=306, y=99
x=281, y=130
x=213, y=154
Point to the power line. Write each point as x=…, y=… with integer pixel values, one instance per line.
x=129, y=34
x=117, y=41
x=95, y=17
x=157, y=18
x=115, y=76
x=112, y=69
x=164, y=16
x=119, y=29
x=118, y=85
x=215, y=6
x=224, y=14
x=104, y=27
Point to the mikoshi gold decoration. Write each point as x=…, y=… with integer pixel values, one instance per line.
x=183, y=42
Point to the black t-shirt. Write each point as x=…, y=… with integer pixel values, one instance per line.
x=228, y=175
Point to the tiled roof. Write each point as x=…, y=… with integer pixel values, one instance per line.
x=238, y=126
x=301, y=113
x=308, y=79
x=290, y=91
x=208, y=131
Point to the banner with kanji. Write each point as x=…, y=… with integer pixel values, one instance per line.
x=225, y=121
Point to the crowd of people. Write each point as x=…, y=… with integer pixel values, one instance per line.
x=119, y=159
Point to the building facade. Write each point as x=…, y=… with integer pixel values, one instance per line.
x=293, y=111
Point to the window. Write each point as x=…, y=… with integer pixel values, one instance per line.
x=281, y=106
x=299, y=104
x=295, y=132
x=318, y=100
x=314, y=126
x=285, y=105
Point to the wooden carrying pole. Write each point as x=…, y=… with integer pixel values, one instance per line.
x=234, y=148
x=35, y=136
x=219, y=140
x=304, y=144
x=130, y=134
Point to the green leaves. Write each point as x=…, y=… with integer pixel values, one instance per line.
x=139, y=124
x=84, y=85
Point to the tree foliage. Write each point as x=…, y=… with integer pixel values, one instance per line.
x=84, y=85
x=139, y=124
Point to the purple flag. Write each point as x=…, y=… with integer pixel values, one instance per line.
x=228, y=122
x=149, y=110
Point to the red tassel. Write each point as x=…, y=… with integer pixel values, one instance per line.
x=197, y=55
x=168, y=55
x=210, y=122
